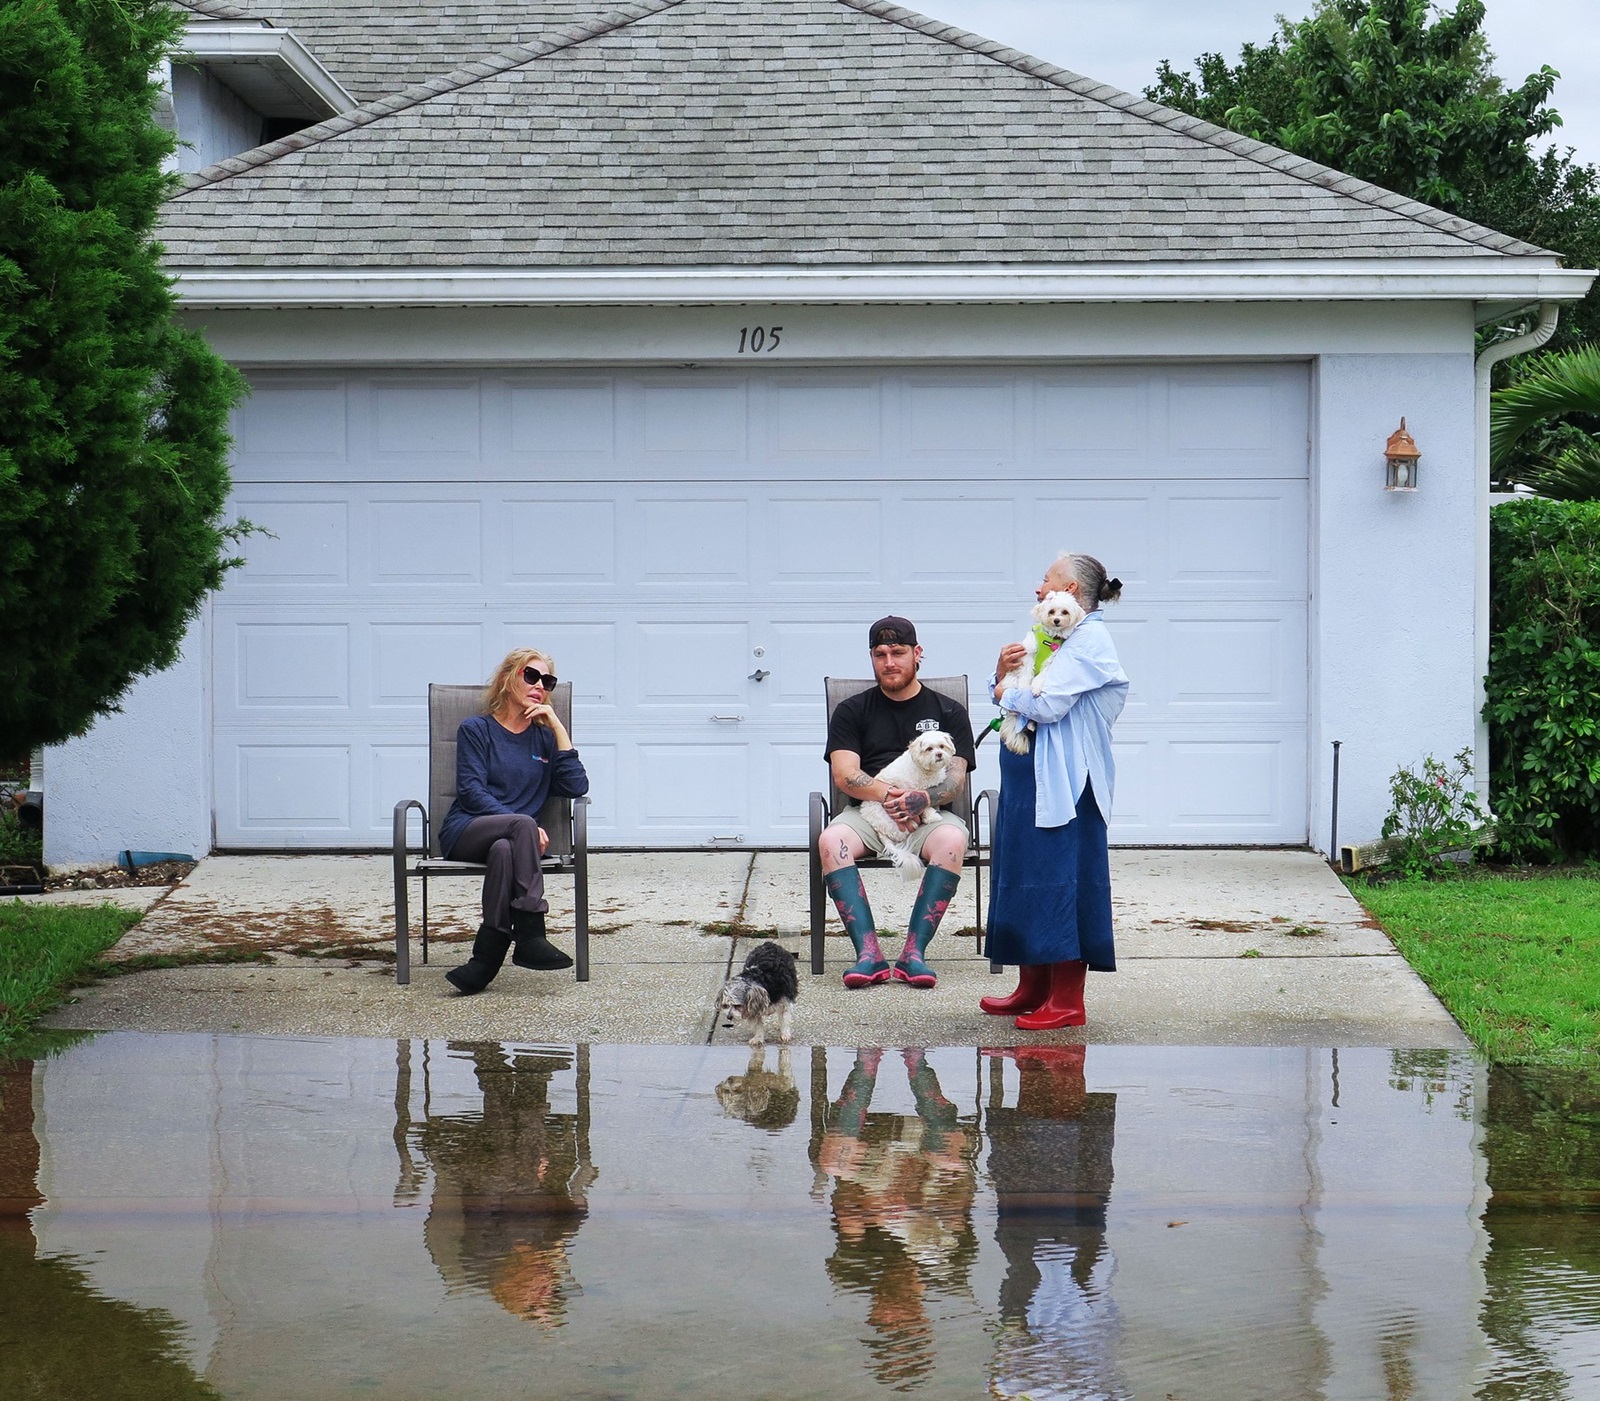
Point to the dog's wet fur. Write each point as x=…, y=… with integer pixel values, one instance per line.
x=766, y=986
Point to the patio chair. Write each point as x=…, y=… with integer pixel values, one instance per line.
x=824, y=805
x=565, y=819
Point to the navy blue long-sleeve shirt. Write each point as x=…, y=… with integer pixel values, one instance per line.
x=497, y=771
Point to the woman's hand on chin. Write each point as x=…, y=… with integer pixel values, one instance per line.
x=540, y=715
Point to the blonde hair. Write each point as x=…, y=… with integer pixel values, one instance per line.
x=497, y=694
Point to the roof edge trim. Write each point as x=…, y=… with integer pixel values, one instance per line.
x=1246, y=147
x=1432, y=279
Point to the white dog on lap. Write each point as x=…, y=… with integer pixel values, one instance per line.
x=1056, y=614
x=924, y=765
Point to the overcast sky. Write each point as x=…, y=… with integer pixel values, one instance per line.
x=1121, y=41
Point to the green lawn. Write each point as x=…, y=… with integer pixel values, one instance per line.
x=43, y=949
x=1515, y=959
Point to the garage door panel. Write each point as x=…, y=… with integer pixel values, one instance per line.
x=697, y=665
x=946, y=416
x=946, y=539
x=837, y=422
x=1115, y=527
x=691, y=417
x=824, y=541
x=292, y=422
x=800, y=653
x=1099, y=418
x=286, y=786
x=652, y=529
x=278, y=665
x=551, y=543
x=405, y=658
x=300, y=543
x=560, y=419
x=689, y=542
x=429, y=542
x=685, y=785
x=438, y=419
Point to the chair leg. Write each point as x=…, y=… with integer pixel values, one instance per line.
x=819, y=913
x=402, y=931
x=424, y=918
x=580, y=887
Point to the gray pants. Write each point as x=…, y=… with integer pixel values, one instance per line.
x=509, y=844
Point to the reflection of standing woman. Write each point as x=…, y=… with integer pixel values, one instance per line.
x=1050, y=907
x=508, y=761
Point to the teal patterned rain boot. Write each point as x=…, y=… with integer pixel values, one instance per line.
x=850, y=899
x=933, y=899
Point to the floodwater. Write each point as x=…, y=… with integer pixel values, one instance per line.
x=280, y=1219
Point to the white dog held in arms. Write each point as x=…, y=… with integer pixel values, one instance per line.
x=1056, y=614
x=924, y=765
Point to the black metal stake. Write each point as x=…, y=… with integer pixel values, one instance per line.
x=1333, y=836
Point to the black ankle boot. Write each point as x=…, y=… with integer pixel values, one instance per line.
x=533, y=949
x=488, y=953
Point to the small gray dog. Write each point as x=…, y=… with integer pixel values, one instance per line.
x=766, y=986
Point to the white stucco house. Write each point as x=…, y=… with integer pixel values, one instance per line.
x=685, y=337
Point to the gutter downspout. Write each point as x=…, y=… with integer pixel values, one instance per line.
x=1492, y=355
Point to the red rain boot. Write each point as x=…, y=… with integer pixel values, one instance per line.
x=1033, y=985
x=1064, y=1005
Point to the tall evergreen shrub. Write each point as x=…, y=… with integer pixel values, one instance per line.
x=112, y=419
x=1544, y=678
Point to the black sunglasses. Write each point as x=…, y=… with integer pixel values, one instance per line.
x=534, y=677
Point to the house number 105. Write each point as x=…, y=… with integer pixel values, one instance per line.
x=754, y=340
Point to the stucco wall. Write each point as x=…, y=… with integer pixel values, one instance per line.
x=1392, y=577
x=141, y=779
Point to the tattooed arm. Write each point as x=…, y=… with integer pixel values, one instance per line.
x=955, y=779
x=853, y=780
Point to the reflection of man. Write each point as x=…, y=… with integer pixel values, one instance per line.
x=19, y=1155
x=868, y=732
x=1050, y=1163
x=509, y=1185
x=902, y=1210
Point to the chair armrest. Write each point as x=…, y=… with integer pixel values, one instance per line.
x=402, y=813
x=819, y=816
x=990, y=797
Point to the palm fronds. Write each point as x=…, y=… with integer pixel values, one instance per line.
x=1572, y=475
x=1563, y=383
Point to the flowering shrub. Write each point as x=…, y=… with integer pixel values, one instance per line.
x=1433, y=809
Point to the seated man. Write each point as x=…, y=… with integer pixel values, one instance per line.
x=869, y=731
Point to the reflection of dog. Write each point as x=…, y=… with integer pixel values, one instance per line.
x=766, y=986
x=767, y=1099
x=1056, y=615
x=923, y=766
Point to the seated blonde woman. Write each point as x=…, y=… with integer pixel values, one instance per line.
x=509, y=760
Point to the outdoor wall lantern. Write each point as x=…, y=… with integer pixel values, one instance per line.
x=1402, y=456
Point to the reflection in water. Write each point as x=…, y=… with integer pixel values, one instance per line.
x=1542, y=1309
x=510, y=1181
x=60, y=1338
x=766, y=1099
x=1050, y=1163
x=903, y=1187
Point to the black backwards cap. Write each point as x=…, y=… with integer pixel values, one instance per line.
x=892, y=632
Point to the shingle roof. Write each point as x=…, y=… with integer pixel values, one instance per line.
x=374, y=47
x=792, y=132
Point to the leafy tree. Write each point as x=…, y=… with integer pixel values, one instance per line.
x=1554, y=405
x=1403, y=95
x=112, y=419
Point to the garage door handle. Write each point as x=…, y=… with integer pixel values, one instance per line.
x=758, y=675
x=730, y=719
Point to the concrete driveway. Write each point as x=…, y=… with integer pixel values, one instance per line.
x=1225, y=947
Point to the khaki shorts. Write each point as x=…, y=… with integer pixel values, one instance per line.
x=851, y=817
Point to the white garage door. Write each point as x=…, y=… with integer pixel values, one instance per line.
x=672, y=535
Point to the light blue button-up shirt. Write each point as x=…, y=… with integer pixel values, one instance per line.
x=1084, y=691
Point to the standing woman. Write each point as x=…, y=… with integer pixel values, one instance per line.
x=508, y=761
x=1050, y=907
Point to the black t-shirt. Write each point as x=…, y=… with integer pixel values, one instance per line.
x=880, y=729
